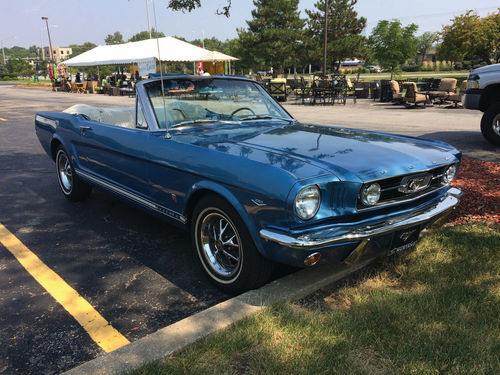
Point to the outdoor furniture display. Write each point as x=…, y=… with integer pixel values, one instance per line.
x=397, y=95
x=456, y=98
x=412, y=96
x=277, y=89
x=446, y=87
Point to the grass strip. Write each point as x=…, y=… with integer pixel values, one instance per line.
x=434, y=310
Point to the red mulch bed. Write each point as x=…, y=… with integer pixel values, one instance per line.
x=480, y=182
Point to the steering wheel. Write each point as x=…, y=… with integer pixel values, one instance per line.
x=241, y=109
x=180, y=110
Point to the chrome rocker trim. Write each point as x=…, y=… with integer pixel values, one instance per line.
x=135, y=197
x=333, y=235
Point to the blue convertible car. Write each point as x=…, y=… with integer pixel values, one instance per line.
x=221, y=158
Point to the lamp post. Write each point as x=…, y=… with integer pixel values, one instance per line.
x=50, y=42
x=149, y=24
x=325, y=38
x=3, y=54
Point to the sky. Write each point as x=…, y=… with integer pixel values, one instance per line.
x=79, y=21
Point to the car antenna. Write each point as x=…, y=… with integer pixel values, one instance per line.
x=167, y=134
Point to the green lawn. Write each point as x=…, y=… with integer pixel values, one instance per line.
x=435, y=310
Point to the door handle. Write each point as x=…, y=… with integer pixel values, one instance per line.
x=83, y=129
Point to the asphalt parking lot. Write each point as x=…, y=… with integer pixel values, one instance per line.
x=134, y=270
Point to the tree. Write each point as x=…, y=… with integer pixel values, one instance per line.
x=470, y=36
x=19, y=68
x=393, y=44
x=274, y=33
x=425, y=42
x=17, y=52
x=344, y=37
x=144, y=35
x=78, y=49
x=115, y=38
x=189, y=5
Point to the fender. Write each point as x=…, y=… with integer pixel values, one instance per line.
x=229, y=196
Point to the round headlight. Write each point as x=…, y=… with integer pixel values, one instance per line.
x=371, y=194
x=307, y=202
x=449, y=174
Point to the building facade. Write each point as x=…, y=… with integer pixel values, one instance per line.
x=60, y=53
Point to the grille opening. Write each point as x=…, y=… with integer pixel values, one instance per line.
x=390, y=188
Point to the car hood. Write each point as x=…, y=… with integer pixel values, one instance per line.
x=307, y=150
x=487, y=68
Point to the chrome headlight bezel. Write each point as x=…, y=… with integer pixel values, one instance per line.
x=375, y=190
x=310, y=193
x=449, y=173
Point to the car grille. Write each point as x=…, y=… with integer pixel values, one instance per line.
x=392, y=187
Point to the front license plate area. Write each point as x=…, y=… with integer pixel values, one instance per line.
x=404, y=239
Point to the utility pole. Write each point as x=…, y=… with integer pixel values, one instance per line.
x=3, y=54
x=149, y=24
x=325, y=38
x=50, y=42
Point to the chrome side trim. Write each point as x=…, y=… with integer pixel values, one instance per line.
x=136, y=198
x=336, y=234
x=47, y=121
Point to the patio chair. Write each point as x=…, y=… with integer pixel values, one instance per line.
x=277, y=89
x=456, y=98
x=338, y=88
x=446, y=87
x=305, y=89
x=320, y=90
x=84, y=88
x=397, y=96
x=412, y=96
x=350, y=90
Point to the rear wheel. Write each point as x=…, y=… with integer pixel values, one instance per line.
x=490, y=124
x=224, y=247
x=72, y=187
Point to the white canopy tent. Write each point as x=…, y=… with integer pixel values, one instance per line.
x=171, y=49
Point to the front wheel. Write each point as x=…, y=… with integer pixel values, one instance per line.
x=490, y=124
x=72, y=187
x=225, y=249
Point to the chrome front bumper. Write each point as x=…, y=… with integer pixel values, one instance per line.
x=347, y=233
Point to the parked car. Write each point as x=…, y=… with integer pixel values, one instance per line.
x=219, y=157
x=483, y=93
x=374, y=68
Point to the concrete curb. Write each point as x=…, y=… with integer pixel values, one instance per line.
x=176, y=336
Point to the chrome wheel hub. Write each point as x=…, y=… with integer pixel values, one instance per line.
x=496, y=124
x=221, y=244
x=65, y=174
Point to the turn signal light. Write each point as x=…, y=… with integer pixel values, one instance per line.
x=312, y=259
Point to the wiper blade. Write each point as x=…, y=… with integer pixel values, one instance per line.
x=187, y=122
x=265, y=117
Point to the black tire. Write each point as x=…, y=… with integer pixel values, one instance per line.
x=490, y=124
x=73, y=188
x=225, y=249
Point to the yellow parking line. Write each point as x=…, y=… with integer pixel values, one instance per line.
x=96, y=326
x=3, y=119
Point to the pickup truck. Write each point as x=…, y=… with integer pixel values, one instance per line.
x=483, y=93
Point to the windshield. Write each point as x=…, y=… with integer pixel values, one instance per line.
x=195, y=102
